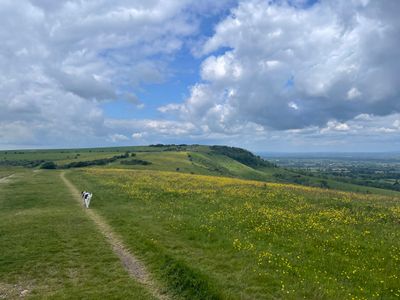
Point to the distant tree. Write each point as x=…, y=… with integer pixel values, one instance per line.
x=49, y=165
x=135, y=162
x=96, y=162
x=324, y=184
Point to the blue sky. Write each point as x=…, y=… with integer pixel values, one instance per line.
x=183, y=67
x=284, y=75
x=184, y=72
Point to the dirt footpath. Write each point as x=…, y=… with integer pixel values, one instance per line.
x=132, y=264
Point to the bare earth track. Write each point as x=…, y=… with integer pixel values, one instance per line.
x=133, y=265
x=6, y=179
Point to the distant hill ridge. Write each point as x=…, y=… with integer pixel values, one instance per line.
x=243, y=156
x=216, y=160
x=239, y=154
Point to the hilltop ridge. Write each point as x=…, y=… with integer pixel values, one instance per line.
x=215, y=160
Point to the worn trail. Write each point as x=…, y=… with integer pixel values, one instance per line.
x=132, y=264
x=6, y=179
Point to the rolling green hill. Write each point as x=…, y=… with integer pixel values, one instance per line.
x=207, y=222
x=208, y=237
x=193, y=159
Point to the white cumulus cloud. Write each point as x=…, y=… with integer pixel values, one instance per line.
x=280, y=56
x=60, y=59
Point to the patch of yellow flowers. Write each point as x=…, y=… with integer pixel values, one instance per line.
x=299, y=236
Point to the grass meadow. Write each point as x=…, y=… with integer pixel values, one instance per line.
x=223, y=238
x=202, y=232
x=49, y=249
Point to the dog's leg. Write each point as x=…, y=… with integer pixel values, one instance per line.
x=88, y=200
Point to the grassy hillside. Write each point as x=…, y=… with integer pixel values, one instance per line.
x=50, y=250
x=224, y=238
x=193, y=159
x=203, y=232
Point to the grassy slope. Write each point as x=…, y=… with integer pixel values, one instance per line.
x=228, y=238
x=58, y=156
x=197, y=233
x=203, y=161
x=51, y=249
x=4, y=172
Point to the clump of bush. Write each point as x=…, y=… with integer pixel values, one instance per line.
x=22, y=163
x=135, y=162
x=172, y=147
x=96, y=162
x=48, y=165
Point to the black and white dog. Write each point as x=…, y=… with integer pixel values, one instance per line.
x=86, y=197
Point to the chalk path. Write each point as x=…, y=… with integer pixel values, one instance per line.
x=6, y=179
x=132, y=264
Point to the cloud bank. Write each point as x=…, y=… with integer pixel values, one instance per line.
x=285, y=67
x=60, y=59
x=280, y=74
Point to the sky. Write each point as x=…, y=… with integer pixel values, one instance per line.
x=279, y=76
